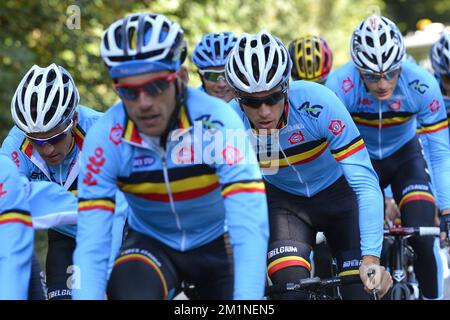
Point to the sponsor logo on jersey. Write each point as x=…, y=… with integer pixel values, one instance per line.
x=296, y=137
x=143, y=161
x=209, y=124
x=435, y=105
x=115, y=134
x=336, y=127
x=15, y=158
x=419, y=87
x=365, y=101
x=313, y=111
x=347, y=85
x=395, y=105
x=96, y=162
x=231, y=155
x=2, y=191
x=38, y=175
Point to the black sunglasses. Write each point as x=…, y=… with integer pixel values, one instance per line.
x=375, y=77
x=269, y=100
x=154, y=87
x=52, y=140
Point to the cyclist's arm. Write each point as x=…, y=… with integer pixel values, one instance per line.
x=52, y=205
x=434, y=128
x=347, y=147
x=16, y=233
x=96, y=206
x=246, y=214
x=11, y=147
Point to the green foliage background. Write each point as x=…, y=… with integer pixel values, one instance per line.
x=35, y=32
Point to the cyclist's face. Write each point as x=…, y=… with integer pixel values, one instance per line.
x=382, y=89
x=54, y=153
x=266, y=116
x=151, y=113
x=218, y=87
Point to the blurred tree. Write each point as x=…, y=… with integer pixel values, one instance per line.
x=42, y=32
x=406, y=19
x=39, y=32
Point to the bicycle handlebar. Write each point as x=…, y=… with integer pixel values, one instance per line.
x=314, y=284
x=409, y=231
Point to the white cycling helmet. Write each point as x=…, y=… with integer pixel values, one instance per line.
x=258, y=63
x=44, y=99
x=377, y=45
x=142, y=43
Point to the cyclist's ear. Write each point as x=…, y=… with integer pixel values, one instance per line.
x=184, y=75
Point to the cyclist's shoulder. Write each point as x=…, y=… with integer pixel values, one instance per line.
x=200, y=105
x=416, y=79
x=343, y=72
x=113, y=115
x=7, y=165
x=312, y=99
x=14, y=139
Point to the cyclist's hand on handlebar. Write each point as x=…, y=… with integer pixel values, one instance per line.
x=374, y=276
x=445, y=225
x=391, y=210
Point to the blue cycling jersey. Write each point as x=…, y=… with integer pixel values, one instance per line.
x=424, y=140
x=16, y=233
x=181, y=203
x=387, y=125
x=318, y=143
x=35, y=168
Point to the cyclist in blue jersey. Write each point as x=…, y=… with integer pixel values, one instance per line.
x=46, y=144
x=201, y=222
x=209, y=56
x=384, y=93
x=316, y=168
x=440, y=61
x=16, y=234
x=312, y=60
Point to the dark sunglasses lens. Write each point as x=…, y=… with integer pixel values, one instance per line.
x=53, y=140
x=156, y=88
x=127, y=93
x=269, y=100
x=214, y=76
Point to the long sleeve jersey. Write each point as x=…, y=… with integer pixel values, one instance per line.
x=317, y=144
x=177, y=195
x=388, y=125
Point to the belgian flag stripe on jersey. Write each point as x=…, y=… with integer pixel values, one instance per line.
x=434, y=127
x=354, y=146
x=14, y=215
x=106, y=204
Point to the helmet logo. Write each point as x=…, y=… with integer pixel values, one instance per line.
x=373, y=22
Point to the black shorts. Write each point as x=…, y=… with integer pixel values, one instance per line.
x=58, y=265
x=148, y=269
x=297, y=219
